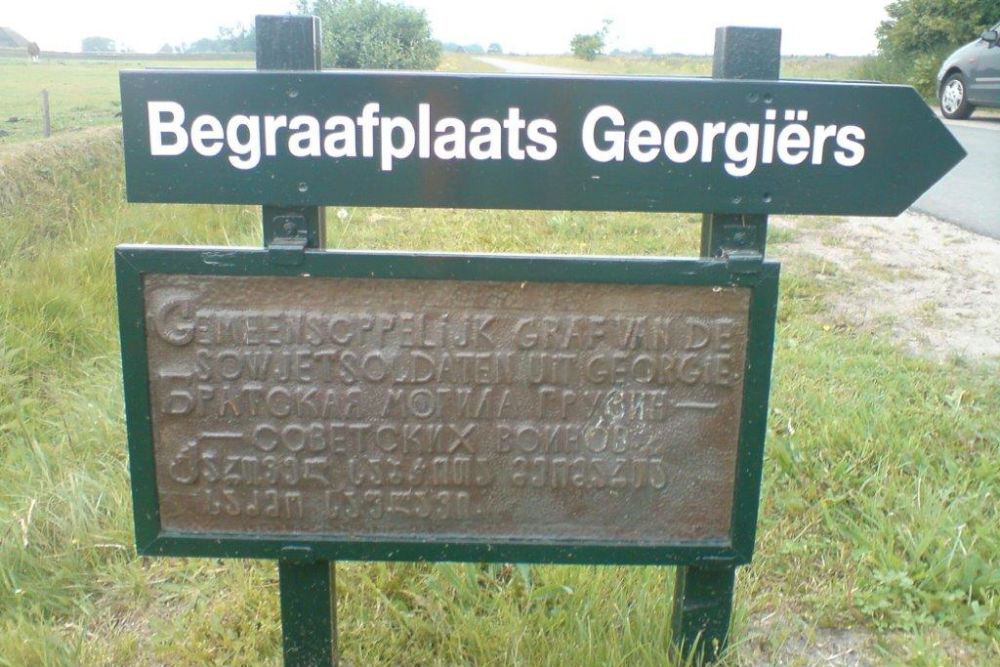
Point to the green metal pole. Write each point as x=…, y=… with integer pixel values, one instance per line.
x=307, y=587
x=703, y=594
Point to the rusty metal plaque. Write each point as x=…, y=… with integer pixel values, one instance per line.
x=376, y=407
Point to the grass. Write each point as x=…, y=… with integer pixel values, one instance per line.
x=878, y=504
x=84, y=93
x=792, y=67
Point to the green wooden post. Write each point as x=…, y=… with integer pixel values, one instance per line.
x=703, y=604
x=741, y=53
x=307, y=586
x=703, y=595
x=308, y=612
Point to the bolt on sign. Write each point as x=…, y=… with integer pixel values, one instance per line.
x=308, y=405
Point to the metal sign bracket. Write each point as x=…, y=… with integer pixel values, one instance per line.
x=739, y=260
x=288, y=249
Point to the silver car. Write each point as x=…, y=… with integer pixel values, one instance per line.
x=970, y=77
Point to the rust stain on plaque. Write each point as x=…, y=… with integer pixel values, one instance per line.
x=373, y=407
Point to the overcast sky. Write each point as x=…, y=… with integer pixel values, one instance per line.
x=524, y=26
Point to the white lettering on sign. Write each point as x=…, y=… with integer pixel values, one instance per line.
x=158, y=127
x=369, y=135
x=606, y=136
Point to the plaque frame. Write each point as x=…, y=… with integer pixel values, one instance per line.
x=134, y=262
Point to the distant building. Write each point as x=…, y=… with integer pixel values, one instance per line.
x=11, y=39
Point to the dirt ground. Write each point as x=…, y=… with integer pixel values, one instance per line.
x=930, y=285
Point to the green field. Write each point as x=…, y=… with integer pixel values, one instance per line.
x=792, y=67
x=84, y=93
x=879, y=503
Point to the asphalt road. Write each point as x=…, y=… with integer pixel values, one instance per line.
x=517, y=67
x=969, y=195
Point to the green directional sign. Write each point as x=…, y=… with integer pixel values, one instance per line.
x=541, y=142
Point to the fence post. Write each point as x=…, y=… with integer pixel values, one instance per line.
x=307, y=586
x=46, y=121
x=703, y=595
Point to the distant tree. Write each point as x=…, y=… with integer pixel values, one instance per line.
x=203, y=45
x=475, y=49
x=589, y=46
x=918, y=34
x=494, y=48
x=166, y=48
x=371, y=34
x=236, y=39
x=95, y=44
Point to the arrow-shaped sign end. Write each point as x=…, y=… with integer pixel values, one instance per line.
x=928, y=148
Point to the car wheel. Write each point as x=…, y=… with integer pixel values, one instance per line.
x=954, y=98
